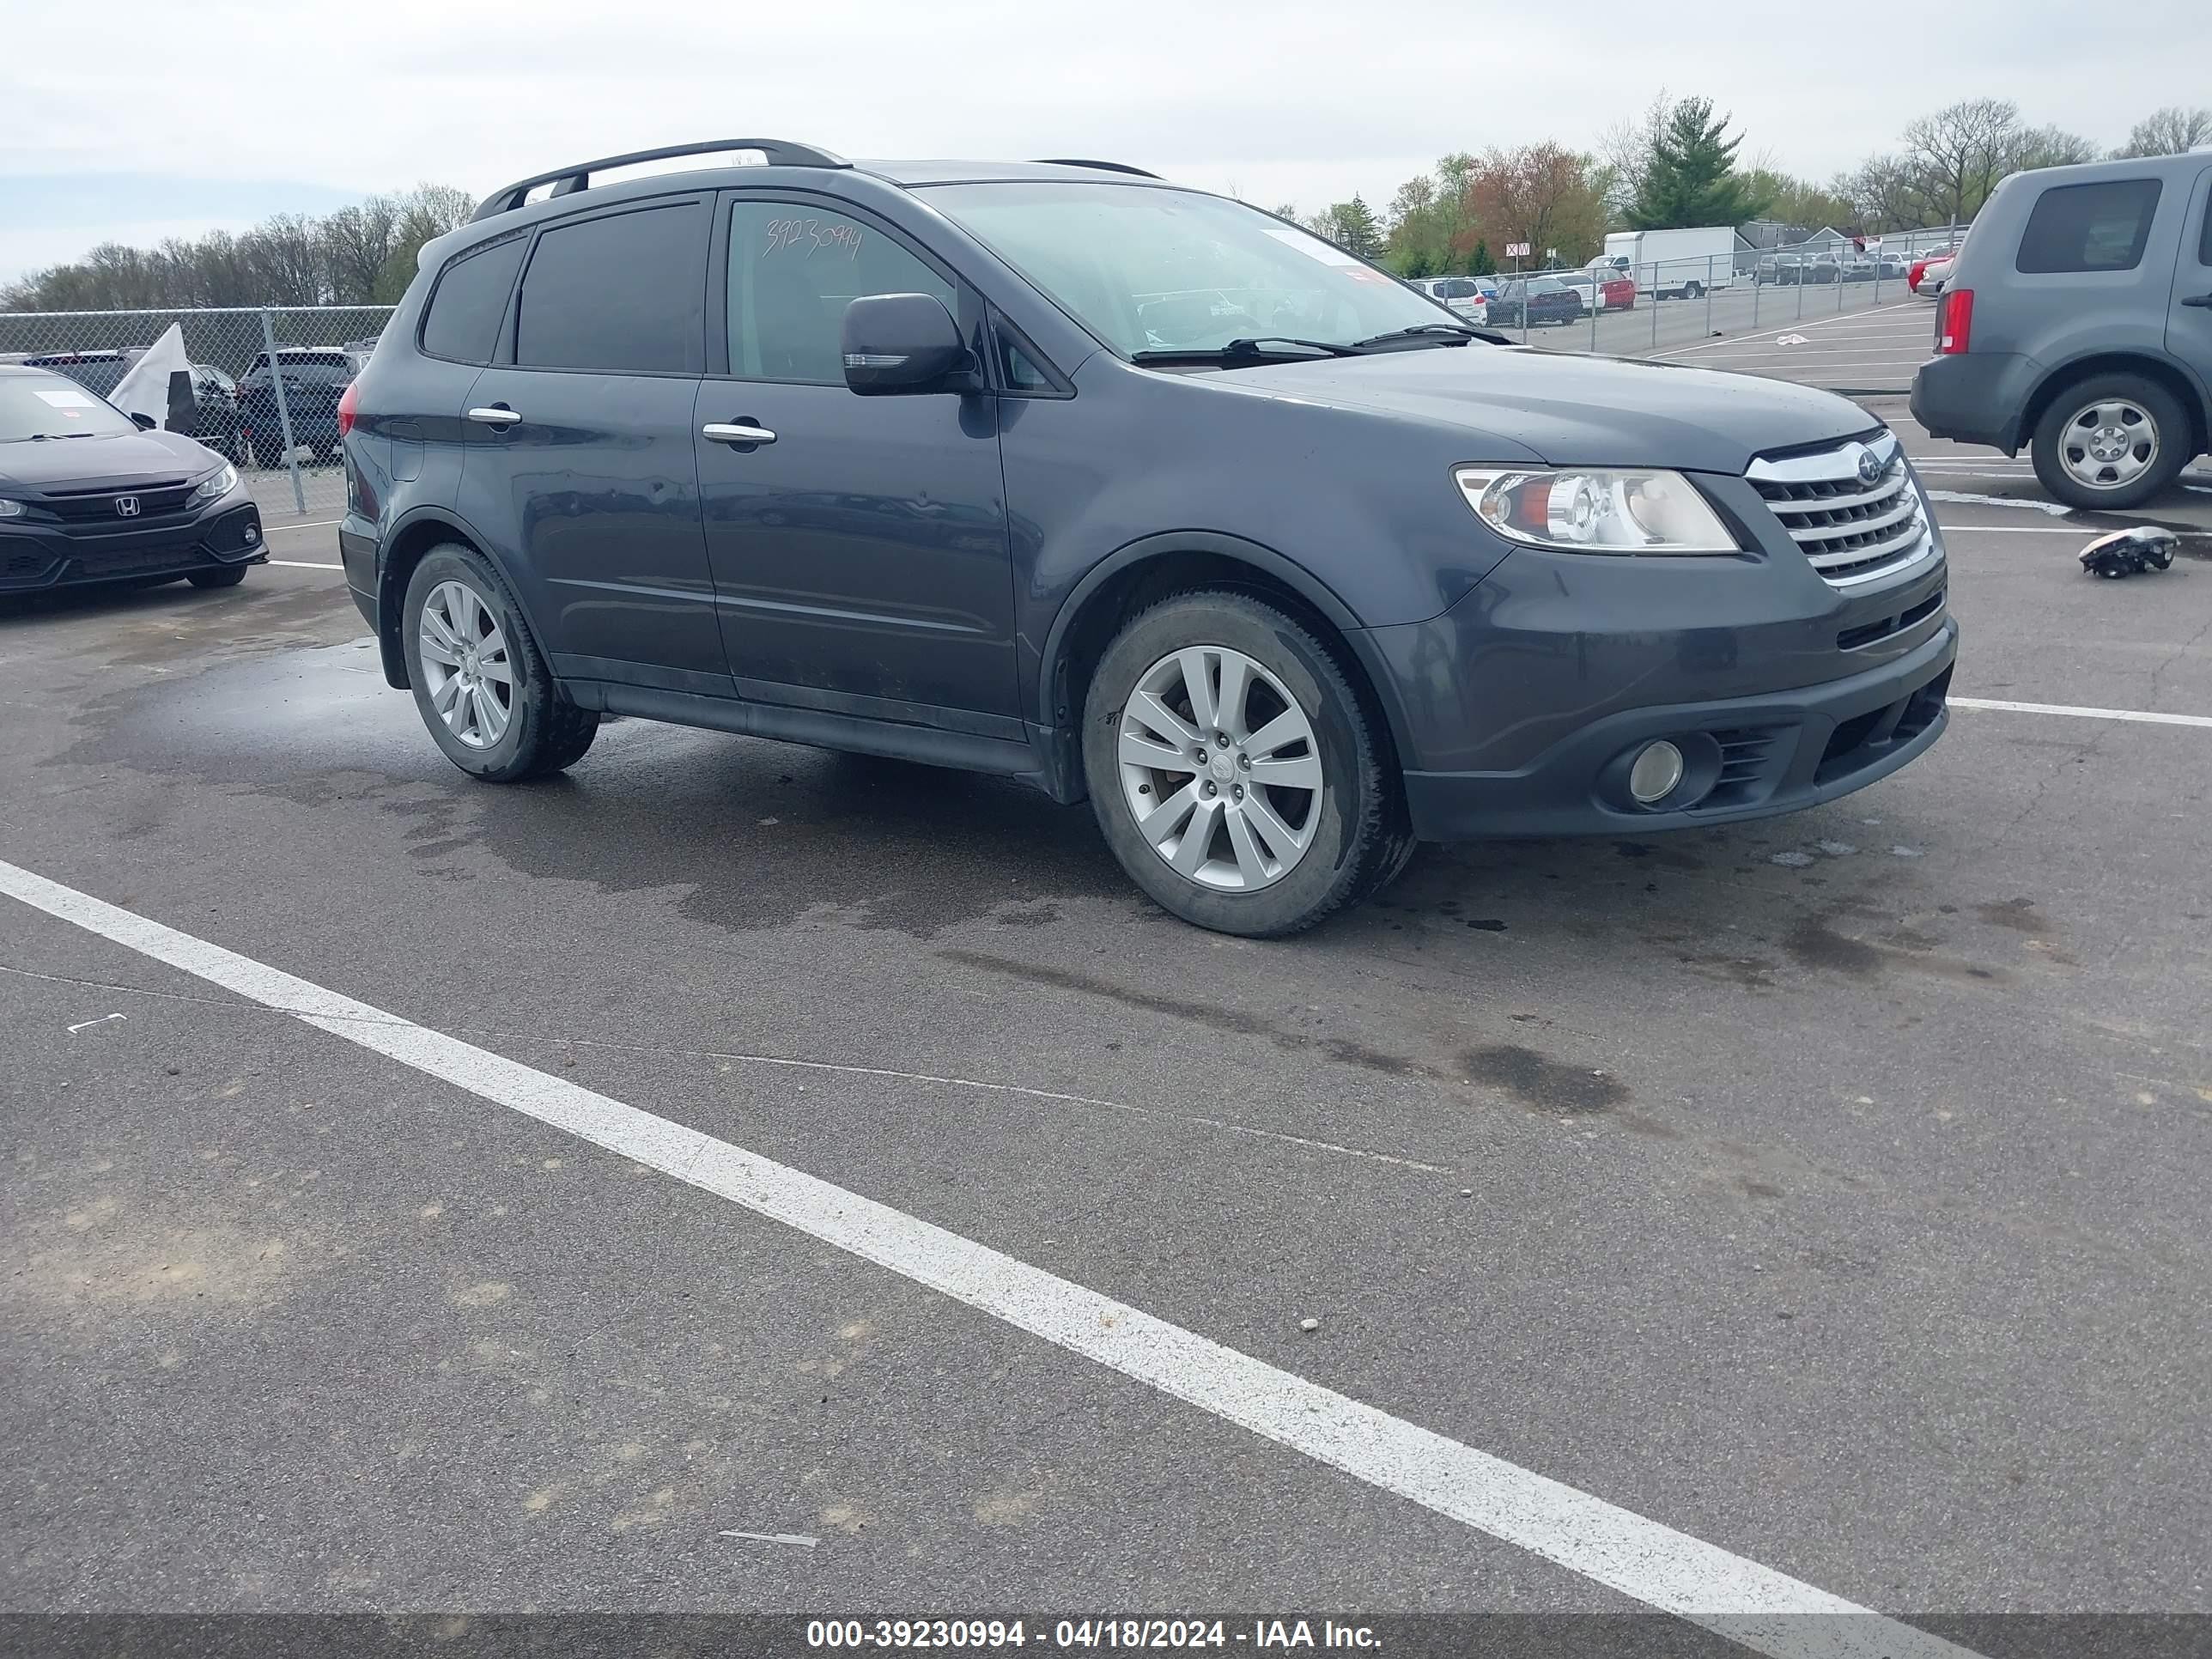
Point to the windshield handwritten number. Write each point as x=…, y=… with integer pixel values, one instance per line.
x=813, y=236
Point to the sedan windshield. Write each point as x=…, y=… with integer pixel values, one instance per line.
x=1150, y=268
x=33, y=406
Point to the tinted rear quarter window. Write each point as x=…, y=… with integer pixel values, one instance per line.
x=470, y=298
x=625, y=293
x=2098, y=227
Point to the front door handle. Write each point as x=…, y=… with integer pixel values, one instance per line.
x=736, y=432
x=498, y=415
x=2204, y=300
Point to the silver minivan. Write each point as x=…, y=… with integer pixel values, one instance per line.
x=2077, y=323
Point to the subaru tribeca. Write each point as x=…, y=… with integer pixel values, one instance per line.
x=1056, y=471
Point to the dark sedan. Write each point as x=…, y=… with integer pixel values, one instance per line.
x=1538, y=300
x=88, y=495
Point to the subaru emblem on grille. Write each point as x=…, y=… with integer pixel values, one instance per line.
x=1870, y=466
x=127, y=506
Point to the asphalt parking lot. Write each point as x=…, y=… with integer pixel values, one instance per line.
x=1819, y=1203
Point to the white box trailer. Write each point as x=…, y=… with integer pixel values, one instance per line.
x=1673, y=264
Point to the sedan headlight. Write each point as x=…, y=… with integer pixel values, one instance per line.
x=1587, y=510
x=11, y=509
x=214, y=487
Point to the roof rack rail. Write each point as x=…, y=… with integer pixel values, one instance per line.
x=567, y=181
x=1108, y=167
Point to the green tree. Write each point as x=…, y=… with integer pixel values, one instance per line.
x=1690, y=178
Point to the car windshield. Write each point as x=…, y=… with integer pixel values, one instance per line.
x=1155, y=269
x=33, y=406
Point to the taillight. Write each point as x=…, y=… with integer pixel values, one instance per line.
x=1955, y=322
x=346, y=403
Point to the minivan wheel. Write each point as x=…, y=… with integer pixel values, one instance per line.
x=480, y=681
x=2114, y=440
x=1233, y=769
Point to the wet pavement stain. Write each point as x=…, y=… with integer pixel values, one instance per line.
x=2017, y=914
x=1538, y=1080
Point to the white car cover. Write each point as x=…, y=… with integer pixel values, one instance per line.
x=145, y=390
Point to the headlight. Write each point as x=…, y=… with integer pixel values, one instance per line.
x=215, y=486
x=11, y=509
x=1590, y=510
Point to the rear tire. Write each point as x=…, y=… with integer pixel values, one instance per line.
x=1335, y=841
x=2115, y=415
x=228, y=576
x=503, y=731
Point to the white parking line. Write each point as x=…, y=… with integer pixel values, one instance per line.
x=1748, y=1603
x=1841, y=316
x=312, y=523
x=2143, y=714
x=304, y=564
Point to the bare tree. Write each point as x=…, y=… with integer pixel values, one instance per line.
x=2173, y=130
x=358, y=243
x=1886, y=194
x=1958, y=154
x=1625, y=147
x=2050, y=147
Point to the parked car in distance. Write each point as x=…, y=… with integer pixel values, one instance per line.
x=2077, y=322
x=962, y=462
x=1858, y=268
x=1891, y=267
x=1820, y=269
x=315, y=378
x=91, y=495
x=1464, y=294
x=1616, y=292
x=1934, y=275
x=1778, y=270
x=1916, y=273
x=1536, y=300
x=1586, y=291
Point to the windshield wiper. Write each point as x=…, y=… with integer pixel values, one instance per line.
x=1443, y=333
x=1259, y=349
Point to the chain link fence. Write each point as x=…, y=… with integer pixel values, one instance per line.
x=266, y=383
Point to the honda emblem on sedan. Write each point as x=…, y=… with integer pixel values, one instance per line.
x=127, y=506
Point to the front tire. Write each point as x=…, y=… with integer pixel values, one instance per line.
x=2109, y=442
x=227, y=576
x=481, y=684
x=1295, y=809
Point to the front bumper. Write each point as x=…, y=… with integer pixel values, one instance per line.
x=37, y=558
x=1974, y=397
x=1751, y=757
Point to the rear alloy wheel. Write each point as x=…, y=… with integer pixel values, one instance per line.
x=2113, y=441
x=480, y=682
x=1233, y=769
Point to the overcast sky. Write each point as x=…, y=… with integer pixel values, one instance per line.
x=132, y=119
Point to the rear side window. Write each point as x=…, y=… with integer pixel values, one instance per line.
x=2101, y=227
x=2204, y=241
x=462, y=325
x=625, y=294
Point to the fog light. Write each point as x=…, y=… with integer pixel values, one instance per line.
x=252, y=535
x=1657, y=770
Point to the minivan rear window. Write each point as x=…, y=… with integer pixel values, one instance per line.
x=2099, y=227
x=470, y=298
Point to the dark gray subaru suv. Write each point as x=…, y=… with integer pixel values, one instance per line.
x=1056, y=471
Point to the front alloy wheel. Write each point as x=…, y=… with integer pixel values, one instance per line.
x=1219, y=768
x=465, y=667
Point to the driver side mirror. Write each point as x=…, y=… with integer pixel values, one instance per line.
x=144, y=422
x=903, y=343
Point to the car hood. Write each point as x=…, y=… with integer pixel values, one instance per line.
x=122, y=458
x=1575, y=410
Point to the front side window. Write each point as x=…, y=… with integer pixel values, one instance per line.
x=470, y=298
x=1150, y=268
x=794, y=269
x=2099, y=227
x=623, y=295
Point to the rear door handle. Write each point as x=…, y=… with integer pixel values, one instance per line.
x=2204, y=300
x=736, y=432
x=498, y=415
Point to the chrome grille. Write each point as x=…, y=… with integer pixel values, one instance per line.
x=1852, y=530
